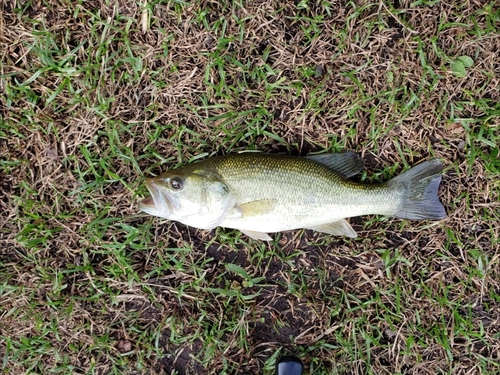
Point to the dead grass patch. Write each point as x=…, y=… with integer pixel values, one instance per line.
x=90, y=103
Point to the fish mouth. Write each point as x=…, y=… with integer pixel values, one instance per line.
x=160, y=203
x=147, y=203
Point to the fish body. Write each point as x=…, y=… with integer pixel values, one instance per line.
x=261, y=193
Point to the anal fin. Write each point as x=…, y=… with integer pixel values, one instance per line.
x=256, y=235
x=337, y=228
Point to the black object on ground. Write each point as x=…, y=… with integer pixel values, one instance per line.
x=289, y=366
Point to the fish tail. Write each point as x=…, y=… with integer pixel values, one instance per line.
x=420, y=185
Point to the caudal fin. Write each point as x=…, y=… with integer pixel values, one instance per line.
x=420, y=185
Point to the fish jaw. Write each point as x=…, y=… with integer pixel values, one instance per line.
x=160, y=203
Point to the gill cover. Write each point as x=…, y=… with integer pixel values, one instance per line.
x=213, y=199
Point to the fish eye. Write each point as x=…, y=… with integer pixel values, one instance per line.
x=176, y=183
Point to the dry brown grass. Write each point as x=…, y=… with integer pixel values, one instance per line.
x=90, y=102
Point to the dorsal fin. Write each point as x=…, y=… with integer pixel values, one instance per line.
x=347, y=164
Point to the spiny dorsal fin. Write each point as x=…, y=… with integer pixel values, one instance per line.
x=347, y=164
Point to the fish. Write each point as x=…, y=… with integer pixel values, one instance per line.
x=261, y=193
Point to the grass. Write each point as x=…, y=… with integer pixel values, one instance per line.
x=98, y=95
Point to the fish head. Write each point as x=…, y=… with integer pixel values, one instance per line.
x=195, y=198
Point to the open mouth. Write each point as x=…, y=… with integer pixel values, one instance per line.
x=159, y=203
x=147, y=202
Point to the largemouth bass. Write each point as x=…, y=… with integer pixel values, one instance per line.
x=261, y=193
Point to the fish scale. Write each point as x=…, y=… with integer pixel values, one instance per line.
x=307, y=193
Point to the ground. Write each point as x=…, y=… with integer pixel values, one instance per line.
x=95, y=96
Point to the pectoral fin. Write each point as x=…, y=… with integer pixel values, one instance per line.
x=256, y=235
x=337, y=228
x=347, y=164
x=256, y=208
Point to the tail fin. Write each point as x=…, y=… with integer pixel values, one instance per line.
x=420, y=185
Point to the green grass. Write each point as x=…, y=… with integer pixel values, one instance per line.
x=91, y=105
